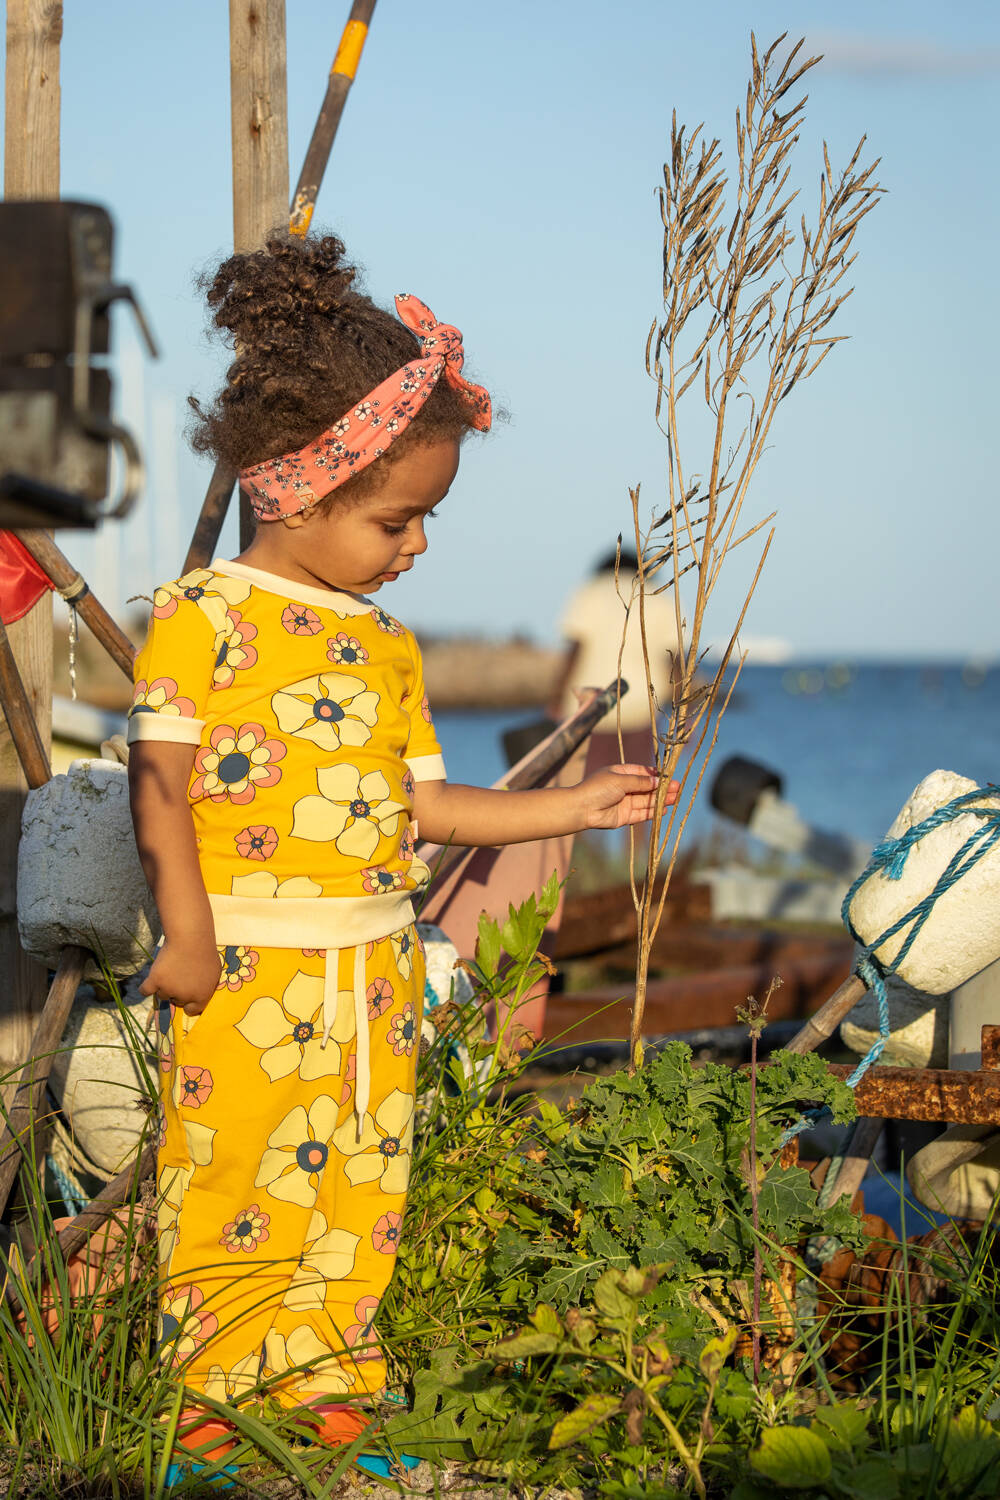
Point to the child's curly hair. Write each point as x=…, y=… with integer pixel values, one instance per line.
x=308, y=349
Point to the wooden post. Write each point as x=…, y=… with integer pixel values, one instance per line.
x=31, y=170
x=259, y=101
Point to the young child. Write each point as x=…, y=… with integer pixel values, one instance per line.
x=282, y=756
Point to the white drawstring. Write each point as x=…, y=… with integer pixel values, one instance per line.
x=331, y=979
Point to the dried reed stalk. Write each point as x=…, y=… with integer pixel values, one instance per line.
x=748, y=302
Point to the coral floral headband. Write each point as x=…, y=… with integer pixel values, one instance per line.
x=294, y=482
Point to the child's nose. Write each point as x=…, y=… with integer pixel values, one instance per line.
x=416, y=540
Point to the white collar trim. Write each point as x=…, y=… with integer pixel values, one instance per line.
x=290, y=589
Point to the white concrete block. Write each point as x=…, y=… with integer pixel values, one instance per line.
x=962, y=934
x=97, y=1079
x=78, y=874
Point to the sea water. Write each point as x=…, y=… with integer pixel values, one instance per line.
x=849, y=741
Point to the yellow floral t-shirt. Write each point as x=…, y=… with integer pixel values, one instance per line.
x=312, y=725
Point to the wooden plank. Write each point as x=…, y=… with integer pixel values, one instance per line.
x=259, y=108
x=31, y=170
x=695, y=1000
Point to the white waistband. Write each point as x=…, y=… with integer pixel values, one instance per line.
x=310, y=921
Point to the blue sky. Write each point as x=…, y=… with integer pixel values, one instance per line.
x=501, y=162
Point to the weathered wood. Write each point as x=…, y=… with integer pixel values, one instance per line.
x=24, y=1111
x=345, y=66
x=259, y=104
x=31, y=170
x=693, y=1000
x=75, y=590
x=859, y=1149
x=214, y=508
x=118, y=1192
x=20, y=719
x=828, y=1018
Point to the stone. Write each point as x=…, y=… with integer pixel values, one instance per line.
x=79, y=879
x=104, y=1073
x=918, y=1035
x=962, y=933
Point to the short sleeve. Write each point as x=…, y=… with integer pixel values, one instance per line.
x=423, y=753
x=173, y=676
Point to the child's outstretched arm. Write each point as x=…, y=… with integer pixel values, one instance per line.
x=187, y=967
x=474, y=815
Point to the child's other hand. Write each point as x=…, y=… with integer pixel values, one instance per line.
x=622, y=795
x=186, y=975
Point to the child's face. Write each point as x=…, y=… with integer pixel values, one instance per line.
x=361, y=545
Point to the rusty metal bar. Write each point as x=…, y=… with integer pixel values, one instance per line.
x=944, y=1094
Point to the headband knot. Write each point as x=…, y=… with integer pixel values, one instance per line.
x=294, y=482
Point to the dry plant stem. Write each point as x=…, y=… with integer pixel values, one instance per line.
x=758, y=1270
x=745, y=318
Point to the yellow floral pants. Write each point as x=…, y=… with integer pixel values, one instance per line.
x=278, y=1221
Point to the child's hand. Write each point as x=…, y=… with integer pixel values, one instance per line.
x=187, y=976
x=622, y=795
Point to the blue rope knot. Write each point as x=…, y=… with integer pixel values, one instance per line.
x=889, y=859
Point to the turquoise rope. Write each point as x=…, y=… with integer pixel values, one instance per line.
x=889, y=859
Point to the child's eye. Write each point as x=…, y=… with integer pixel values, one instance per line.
x=393, y=530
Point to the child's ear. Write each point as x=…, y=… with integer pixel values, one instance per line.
x=294, y=522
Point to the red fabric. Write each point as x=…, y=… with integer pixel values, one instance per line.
x=22, y=582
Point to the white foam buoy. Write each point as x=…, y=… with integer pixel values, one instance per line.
x=79, y=879
x=961, y=935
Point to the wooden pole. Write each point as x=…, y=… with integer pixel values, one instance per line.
x=31, y=170
x=259, y=102
x=338, y=86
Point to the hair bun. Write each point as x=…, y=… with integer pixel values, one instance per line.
x=262, y=296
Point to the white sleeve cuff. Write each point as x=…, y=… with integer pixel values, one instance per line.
x=173, y=728
x=427, y=768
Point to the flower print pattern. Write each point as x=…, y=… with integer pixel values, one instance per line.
x=327, y=1255
x=383, y=1152
x=403, y=1031
x=184, y=1324
x=386, y=622
x=350, y=1078
x=239, y=965
x=352, y=811
x=360, y=1337
x=234, y=652
x=193, y=1086
x=380, y=881
x=330, y=710
x=298, y=620
x=257, y=841
x=161, y=696
x=236, y=764
x=304, y=1352
x=408, y=784
x=403, y=944
x=290, y=1031
x=246, y=1231
x=213, y=593
x=379, y=996
x=346, y=650
x=406, y=846
x=297, y=1149
x=385, y=1235
x=425, y=708
x=229, y=1385
x=262, y=884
